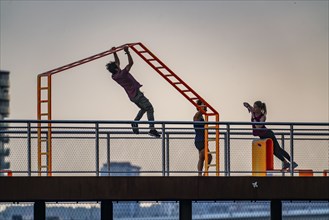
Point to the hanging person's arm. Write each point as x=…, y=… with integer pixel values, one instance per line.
x=116, y=58
x=130, y=59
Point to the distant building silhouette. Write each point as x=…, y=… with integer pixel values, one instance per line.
x=122, y=209
x=120, y=169
x=4, y=112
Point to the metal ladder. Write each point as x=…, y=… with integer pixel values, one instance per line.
x=44, y=113
x=190, y=95
x=44, y=89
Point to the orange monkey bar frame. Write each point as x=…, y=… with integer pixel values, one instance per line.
x=45, y=103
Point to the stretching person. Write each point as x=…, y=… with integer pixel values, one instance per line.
x=124, y=78
x=199, y=138
x=258, y=114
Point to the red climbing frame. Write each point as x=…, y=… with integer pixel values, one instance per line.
x=45, y=104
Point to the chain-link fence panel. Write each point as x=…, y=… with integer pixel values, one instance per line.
x=92, y=148
x=183, y=156
x=17, y=144
x=121, y=146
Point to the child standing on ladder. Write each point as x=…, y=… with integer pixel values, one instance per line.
x=258, y=114
x=199, y=137
x=124, y=78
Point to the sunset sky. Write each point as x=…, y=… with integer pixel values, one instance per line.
x=227, y=51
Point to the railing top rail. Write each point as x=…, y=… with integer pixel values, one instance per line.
x=161, y=122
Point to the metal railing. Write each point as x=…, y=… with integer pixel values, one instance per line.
x=79, y=144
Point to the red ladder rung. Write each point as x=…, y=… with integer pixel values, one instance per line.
x=44, y=101
x=44, y=88
x=211, y=114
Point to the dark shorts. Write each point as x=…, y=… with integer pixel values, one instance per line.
x=199, y=145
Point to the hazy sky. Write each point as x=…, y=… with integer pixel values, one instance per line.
x=227, y=51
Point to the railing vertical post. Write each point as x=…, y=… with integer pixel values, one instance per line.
x=163, y=151
x=167, y=154
x=225, y=154
x=108, y=156
x=97, y=147
x=291, y=149
x=228, y=136
x=283, y=147
x=29, y=149
x=47, y=149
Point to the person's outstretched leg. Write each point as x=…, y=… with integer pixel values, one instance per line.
x=145, y=105
x=140, y=113
x=279, y=152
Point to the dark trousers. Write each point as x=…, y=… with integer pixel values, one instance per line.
x=145, y=106
x=278, y=151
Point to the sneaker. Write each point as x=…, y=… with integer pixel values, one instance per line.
x=135, y=128
x=286, y=165
x=154, y=133
x=294, y=165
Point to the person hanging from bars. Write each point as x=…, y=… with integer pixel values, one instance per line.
x=199, y=137
x=132, y=87
x=258, y=114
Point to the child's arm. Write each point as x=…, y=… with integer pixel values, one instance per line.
x=246, y=104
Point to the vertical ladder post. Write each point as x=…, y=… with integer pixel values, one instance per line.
x=217, y=146
x=206, y=145
x=44, y=112
x=39, y=123
x=49, y=147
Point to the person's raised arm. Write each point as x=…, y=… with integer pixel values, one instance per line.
x=246, y=104
x=116, y=58
x=130, y=59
